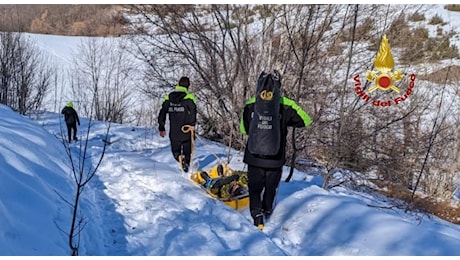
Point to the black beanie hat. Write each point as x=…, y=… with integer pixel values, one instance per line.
x=184, y=82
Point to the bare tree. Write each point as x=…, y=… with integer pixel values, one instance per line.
x=439, y=181
x=7, y=62
x=103, y=79
x=318, y=49
x=84, y=169
x=26, y=73
x=215, y=55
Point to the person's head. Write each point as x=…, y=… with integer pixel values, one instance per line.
x=70, y=104
x=184, y=82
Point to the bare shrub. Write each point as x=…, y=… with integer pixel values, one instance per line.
x=84, y=168
x=417, y=17
x=436, y=19
x=59, y=19
x=78, y=28
x=452, y=7
x=102, y=79
x=25, y=73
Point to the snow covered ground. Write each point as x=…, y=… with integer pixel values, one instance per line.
x=140, y=204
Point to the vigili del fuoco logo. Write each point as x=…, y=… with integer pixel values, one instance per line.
x=384, y=79
x=266, y=95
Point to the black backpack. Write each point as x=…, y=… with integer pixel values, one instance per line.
x=264, y=128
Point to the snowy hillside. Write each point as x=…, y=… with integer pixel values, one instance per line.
x=140, y=204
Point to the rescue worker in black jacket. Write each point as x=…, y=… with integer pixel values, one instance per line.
x=265, y=171
x=71, y=120
x=180, y=105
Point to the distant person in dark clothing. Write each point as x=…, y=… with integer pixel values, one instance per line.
x=180, y=105
x=71, y=120
x=265, y=119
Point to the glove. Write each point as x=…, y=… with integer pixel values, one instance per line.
x=162, y=133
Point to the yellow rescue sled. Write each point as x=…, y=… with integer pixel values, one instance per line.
x=224, y=184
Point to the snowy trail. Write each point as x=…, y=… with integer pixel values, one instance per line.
x=140, y=204
x=156, y=205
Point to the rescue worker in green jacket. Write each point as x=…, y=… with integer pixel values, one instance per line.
x=71, y=120
x=265, y=170
x=180, y=105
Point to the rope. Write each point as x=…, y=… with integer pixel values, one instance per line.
x=213, y=153
x=190, y=129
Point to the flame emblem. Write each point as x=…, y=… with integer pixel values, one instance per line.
x=266, y=95
x=384, y=63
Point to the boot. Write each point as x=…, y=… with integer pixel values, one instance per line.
x=220, y=170
x=185, y=167
x=268, y=213
x=259, y=221
x=207, y=184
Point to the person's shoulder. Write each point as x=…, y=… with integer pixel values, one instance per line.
x=250, y=101
x=190, y=96
x=287, y=101
x=166, y=97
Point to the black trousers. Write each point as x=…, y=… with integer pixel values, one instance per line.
x=184, y=148
x=71, y=127
x=263, y=184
